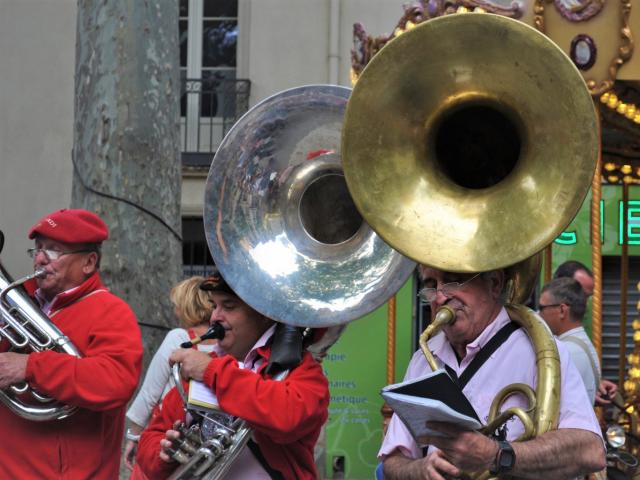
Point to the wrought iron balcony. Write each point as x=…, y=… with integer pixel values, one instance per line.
x=209, y=107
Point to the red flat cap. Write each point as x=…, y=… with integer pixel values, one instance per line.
x=71, y=226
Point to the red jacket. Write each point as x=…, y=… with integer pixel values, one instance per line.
x=286, y=416
x=87, y=444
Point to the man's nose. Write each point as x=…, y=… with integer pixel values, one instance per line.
x=216, y=315
x=440, y=298
x=40, y=258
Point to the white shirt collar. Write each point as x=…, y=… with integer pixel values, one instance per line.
x=251, y=356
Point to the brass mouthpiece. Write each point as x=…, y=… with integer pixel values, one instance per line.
x=444, y=316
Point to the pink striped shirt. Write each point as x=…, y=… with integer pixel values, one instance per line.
x=513, y=362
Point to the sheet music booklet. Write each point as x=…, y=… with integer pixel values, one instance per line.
x=202, y=398
x=431, y=397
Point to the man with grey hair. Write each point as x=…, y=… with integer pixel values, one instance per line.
x=484, y=351
x=563, y=303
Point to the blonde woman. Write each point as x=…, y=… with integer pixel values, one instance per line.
x=192, y=307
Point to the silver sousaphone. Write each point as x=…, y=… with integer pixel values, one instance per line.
x=286, y=236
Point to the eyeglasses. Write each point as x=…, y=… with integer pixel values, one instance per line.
x=542, y=307
x=448, y=290
x=52, y=255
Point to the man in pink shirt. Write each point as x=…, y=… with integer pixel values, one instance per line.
x=575, y=448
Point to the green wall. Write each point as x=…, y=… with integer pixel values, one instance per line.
x=356, y=367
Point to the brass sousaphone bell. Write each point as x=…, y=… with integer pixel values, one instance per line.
x=469, y=144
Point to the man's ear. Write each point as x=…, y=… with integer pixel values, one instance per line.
x=496, y=278
x=90, y=263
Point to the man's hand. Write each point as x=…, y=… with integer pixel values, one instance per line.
x=606, y=391
x=130, y=450
x=465, y=449
x=167, y=443
x=436, y=464
x=13, y=368
x=192, y=362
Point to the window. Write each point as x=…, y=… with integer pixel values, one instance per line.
x=196, y=259
x=212, y=97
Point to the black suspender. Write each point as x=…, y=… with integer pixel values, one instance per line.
x=483, y=355
x=255, y=449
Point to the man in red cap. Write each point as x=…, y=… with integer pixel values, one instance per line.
x=100, y=383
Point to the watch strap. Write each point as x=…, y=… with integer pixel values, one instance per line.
x=505, y=458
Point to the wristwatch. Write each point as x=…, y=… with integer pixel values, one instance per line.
x=132, y=436
x=505, y=459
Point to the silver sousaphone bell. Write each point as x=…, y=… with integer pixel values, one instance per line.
x=280, y=222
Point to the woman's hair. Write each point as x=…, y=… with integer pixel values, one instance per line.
x=193, y=304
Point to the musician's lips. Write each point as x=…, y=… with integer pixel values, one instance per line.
x=225, y=327
x=456, y=306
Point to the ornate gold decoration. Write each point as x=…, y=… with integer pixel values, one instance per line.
x=625, y=49
x=365, y=46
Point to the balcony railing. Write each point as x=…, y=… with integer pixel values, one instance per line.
x=209, y=107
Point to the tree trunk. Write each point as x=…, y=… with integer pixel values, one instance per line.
x=127, y=149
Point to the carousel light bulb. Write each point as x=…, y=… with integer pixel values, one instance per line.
x=626, y=169
x=636, y=324
x=613, y=179
x=604, y=98
x=636, y=336
x=613, y=101
x=631, y=111
x=621, y=108
x=609, y=166
x=629, y=386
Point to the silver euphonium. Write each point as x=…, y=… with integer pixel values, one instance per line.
x=27, y=330
x=204, y=448
x=286, y=236
x=207, y=448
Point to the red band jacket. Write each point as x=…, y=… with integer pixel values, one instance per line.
x=286, y=416
x=88, y=443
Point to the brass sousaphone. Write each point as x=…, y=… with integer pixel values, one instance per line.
x=469, y=144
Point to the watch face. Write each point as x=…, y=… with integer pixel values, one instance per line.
x=507, y=460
